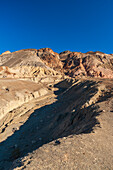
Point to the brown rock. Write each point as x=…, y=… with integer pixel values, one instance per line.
x=73, y=64
x=6, y=52
x=93, y=64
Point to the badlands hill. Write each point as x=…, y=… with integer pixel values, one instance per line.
x=29, y=62
x=90, y=64
x=56, y=110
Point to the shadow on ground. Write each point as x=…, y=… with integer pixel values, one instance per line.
x=51, y=122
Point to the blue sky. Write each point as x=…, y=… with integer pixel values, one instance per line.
x=76, y=25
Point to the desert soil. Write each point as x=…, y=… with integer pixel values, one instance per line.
x=71, y=127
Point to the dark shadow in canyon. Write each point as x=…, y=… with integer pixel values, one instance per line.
x=62, y=118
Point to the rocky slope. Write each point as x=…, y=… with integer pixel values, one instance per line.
x=74, y=64
x=90, y=64
x=56, y=110
x=30, y=63
x=31, y=57
x=13, y=93
x=77, y=135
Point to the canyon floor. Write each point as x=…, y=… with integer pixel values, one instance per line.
x=70, y=127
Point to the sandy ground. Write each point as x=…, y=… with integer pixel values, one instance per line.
x=70, y=129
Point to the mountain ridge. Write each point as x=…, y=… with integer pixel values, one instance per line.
x=73, y=64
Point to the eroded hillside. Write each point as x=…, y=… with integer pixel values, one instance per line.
x=56, y=110
x=74, y=64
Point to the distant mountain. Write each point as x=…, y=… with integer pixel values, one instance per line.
x=73, y=64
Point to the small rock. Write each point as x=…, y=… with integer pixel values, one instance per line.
x=57, y=142
x=7, y=89
x=85, y=87
x=28, y=162
x=74, y=110
x=14, y=129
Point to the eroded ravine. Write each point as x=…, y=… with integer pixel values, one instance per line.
x=74, y=111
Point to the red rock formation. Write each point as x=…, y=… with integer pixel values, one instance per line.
x=50, y=58
x=74, y=64
x=93, y=64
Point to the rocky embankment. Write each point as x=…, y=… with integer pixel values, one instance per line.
x=14, y=93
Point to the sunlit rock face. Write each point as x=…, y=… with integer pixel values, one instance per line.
x=29, y=63
x=36, y=67
x=6, y=52
x=74, y=64
x=14, y=93
x=31, y=57
x=50, y=58
x=91, y=64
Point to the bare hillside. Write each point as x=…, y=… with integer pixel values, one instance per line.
x=74, y=64
x=56, y=110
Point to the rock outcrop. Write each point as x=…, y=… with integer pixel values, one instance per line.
x=90, y=64
x=14, y=93
x=50, y=58
x=26, y=72
x=73, y=64
x=30, y=63
x=31, y=57
x=6, y=52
